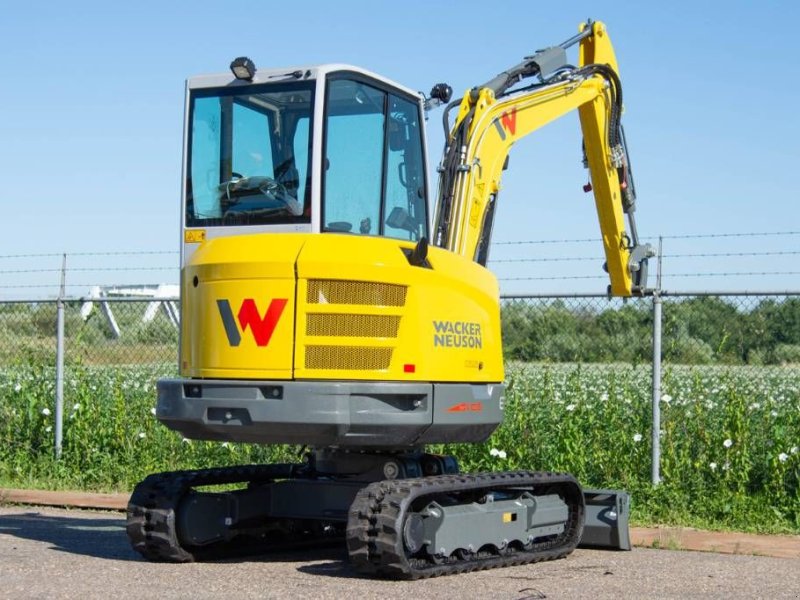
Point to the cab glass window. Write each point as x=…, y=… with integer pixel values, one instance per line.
x=249, y=155
x=404, y=210
x=373, y=162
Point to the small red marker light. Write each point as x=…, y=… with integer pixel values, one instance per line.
x=409, y=368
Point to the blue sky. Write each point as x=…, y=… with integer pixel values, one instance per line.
x=92, y=103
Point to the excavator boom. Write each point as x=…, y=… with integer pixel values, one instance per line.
x=491, y=120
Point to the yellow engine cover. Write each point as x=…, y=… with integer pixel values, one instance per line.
x=343, y=307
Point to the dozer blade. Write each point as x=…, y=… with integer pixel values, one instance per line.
x=606, y=526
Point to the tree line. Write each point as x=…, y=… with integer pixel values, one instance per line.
x=697, y=330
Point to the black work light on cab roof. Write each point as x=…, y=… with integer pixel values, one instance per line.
x=243, y=68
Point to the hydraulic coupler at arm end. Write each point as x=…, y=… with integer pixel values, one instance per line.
x=638, y=253
x=639, y=256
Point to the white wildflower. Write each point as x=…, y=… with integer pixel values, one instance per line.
x=48, y=429
x=18, y=387
x=637, y=437
x=75, y=407
x=726, y=466
x=728, y=443
x=494, y=452
x=142, y=435
x=46, y=412
x=604, y=396
x=225, y=444
x=755, y=406
x=501, y=454
x=783, y=457
x=794, y=450
x=773, y=413
x=666, y=398
x=570, y=407
x=712, y=466
x=153, y=411
x=186, y=441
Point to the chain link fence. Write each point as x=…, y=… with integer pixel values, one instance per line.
x=697, y=329
x=111, y=333
x=697, y=353
x=750, y=340
x=760, y=330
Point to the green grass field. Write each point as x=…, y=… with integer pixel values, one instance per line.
x=729, y=436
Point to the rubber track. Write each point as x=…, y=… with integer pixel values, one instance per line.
x=375, y=525
x=151, y=523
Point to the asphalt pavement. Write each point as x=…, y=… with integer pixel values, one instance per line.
x=57, y=553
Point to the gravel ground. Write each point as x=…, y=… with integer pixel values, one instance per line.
x=55, y=553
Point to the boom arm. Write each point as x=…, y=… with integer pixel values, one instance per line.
x=490, y=121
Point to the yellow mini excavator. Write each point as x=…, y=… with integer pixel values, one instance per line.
x=323, y=305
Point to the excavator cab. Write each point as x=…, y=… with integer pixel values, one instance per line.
x=306, y=272
x=308, y=150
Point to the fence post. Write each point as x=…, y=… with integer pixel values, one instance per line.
x=656, y=433
x=59, y=412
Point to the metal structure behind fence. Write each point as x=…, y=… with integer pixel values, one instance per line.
x=665, y=330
